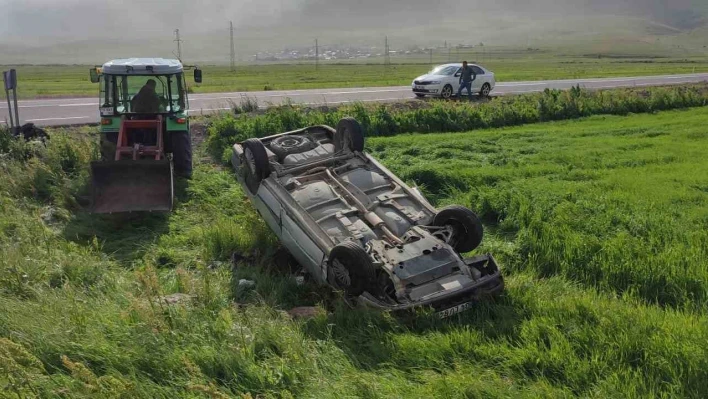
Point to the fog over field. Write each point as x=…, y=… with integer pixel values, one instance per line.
x=79, y=30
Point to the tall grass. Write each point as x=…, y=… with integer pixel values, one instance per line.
x=83, y=308
x=611, y=203
x=442, y=116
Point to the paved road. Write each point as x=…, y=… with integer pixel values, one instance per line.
x=85, y=110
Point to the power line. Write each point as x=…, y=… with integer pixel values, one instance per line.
x=179, y=45
x=233, y=50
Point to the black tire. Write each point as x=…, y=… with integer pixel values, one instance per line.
x=486, y=89
x=351, y=269
x=446, y=92
x=419, y=95
x=290, y=144
x=257, y=165
x=349, y=134
x=467, y=228
x=181, y=144
x=109, y=141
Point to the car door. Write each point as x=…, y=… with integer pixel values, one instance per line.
x=454, y=79
x=481, y=78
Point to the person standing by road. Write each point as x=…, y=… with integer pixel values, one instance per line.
x=467, y=76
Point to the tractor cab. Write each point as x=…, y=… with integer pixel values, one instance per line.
x=144, y=133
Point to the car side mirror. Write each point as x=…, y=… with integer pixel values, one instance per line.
x=198, y=75
x=457, y=75
x=93, y=73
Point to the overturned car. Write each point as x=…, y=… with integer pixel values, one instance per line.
x=352, y=223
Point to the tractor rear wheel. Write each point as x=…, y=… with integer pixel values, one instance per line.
x=181, y=144
x=108, y=143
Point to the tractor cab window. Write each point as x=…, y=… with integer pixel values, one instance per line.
x=178, y=100
x=152, y=99
x=145, y=94
x=106, y=91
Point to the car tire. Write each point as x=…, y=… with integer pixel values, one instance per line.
x=290, y=144
x=256, y=164
x=419, y=95
x=181, y=144
x=350, y=268
x=486, y=89
x=349, y=135
x=446, y=92
x=466, y=226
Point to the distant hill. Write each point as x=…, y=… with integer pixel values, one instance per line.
x=584, y=26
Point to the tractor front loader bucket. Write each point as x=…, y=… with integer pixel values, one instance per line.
x=131, y=186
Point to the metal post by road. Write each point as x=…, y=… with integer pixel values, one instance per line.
x=9, y=110
x=10, y=80
x=17, y=114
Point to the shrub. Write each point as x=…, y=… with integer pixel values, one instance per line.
x=442, y=116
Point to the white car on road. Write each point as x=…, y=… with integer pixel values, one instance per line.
x=444, y=81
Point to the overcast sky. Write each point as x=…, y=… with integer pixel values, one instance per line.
x=89, y=19
x=84, y=27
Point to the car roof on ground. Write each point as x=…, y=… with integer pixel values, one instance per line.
x=142, y=66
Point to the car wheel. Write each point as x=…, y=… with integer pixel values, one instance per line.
x=257, y=165
x=467, y=230
x=290, y=144
x=419, y=95
x=350, y=268
x=181, y=145
x=486, y=89
x=446, y=92
x=349, y=134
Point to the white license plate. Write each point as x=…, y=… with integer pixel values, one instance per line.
x=107, y=111
x=420, y=87
x=454, y=310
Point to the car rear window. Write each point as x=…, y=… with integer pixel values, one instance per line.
x=477, y=70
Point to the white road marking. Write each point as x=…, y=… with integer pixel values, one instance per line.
x=57, y=119
x=53, y=105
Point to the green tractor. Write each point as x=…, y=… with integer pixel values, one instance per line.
x=144, y=134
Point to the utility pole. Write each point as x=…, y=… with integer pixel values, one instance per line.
x=233, y=50
x=387, y=55
x=449, y=51
x=317, y=55
x=179, y=45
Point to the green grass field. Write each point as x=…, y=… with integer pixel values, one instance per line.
x=600, y=225
x=58, y=81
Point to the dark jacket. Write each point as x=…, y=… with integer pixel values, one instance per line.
x=146, y=101
x=468, y=74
